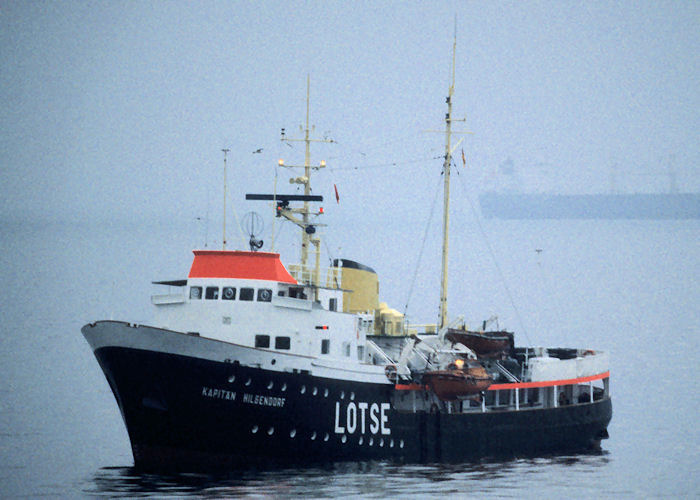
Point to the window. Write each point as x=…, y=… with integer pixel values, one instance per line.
x=346, y=348
x=212, y=293
x=262, y=340
x=229, y=293
x=325, y=346
x=361, y=353
x=333, y=304
x=264, y=295
x=297, y=293
x=195, y=292
x=247, y=294
x=282, y=342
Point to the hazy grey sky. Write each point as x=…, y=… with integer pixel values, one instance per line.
x=120, y=109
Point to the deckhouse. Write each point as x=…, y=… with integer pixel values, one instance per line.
x=250, y=299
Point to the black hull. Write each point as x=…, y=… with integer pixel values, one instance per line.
x=187, y=413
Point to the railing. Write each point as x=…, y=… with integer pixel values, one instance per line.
x=170, y=298
x=307, y=275
x=523, y=395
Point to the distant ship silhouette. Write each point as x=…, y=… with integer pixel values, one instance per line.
x=523, y=205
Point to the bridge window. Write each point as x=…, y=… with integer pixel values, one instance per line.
x=297, y=293
x=262, y=341
x=212, y=293
x=325, y=346
x=264, y=295
x=247, y=294
x=282, y=342
x=195, y=292
x=229, y=293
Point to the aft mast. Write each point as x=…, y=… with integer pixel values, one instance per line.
x=446, y=194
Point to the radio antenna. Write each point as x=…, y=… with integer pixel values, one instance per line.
x=224, y=238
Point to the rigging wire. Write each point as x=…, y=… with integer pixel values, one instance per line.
x=330, y=261
x=369, y=149
x=495, y=261
x=422, y=246
x=387, y=164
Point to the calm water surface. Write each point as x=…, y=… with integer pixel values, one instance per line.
x=629, y=287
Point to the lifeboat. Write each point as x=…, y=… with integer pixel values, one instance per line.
x=459, y=381
x=495, y=344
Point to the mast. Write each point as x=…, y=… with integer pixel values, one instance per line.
x=305, y=236
x=282, y=208
x=446, y=195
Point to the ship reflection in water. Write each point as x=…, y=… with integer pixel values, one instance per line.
x=367, y=479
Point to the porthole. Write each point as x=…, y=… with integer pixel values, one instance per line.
x=292, y=433
x=254, y=429
x=401, y=444
x=270, y=384
x=381, y=442
x=362, y=440
x=284, y=386
x=232, y=379
x=270, y=431
x=247, y=382
x=325, y=393
x=371, y=441
x=314, y=391
x=273, y=361
x=325, y=437
x=342, y=394
x=343, y=439
x=313, y=435
x=303, y=389
x=352, y=396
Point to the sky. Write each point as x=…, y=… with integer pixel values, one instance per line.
x=118, y=111
x=123, y=107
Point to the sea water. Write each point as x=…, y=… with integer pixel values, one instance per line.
x=629, y=287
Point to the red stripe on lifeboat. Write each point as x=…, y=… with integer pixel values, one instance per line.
x=241, y=265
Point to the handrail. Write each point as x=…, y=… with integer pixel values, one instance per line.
x=548, y=383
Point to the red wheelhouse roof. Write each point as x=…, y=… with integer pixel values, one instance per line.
x=242, y=265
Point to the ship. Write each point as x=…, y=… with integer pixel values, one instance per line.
x=656, y=206
x=250, y=362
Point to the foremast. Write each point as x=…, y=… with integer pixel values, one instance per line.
x=302, y=216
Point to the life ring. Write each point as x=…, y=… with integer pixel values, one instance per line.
x=265, y=295
x=588, y=352
x=228, y=293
